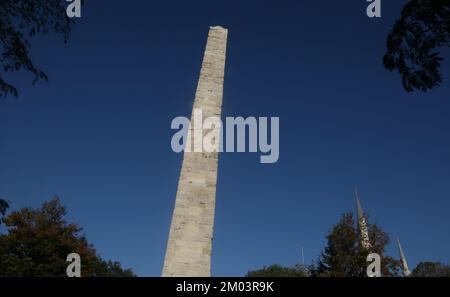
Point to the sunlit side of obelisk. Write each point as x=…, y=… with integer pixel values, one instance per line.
x=189, y=246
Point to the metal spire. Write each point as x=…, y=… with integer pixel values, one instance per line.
x=364, y=233
x=405, y=268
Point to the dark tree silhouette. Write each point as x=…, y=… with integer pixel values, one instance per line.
x=3, y=207
x=20, y=20
x=280, y=271
x=39, y=240
x=431, y=269
x=344, y=257
x=413, y=43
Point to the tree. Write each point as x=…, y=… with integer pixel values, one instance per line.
x=431, y=269
x=3, y=207
x=39, y=240
x=280, y=271
x=19, y=21
x=344, y=256
x=115, y=269
x=412, y=44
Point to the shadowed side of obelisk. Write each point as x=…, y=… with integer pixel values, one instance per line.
x=190, y=239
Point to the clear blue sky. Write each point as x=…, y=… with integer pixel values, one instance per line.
x=98, y=134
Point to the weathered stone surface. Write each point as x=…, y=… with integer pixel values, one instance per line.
x=190, y=239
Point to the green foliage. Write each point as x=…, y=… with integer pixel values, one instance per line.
x=431, y=269
x=424, y=27
x=19, y=21
x=39, y=240
x=4, y=205
x=344, y=256
x=280, y=271
x=114, y=269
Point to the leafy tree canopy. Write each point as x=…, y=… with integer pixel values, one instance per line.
x=3, y=207
x=431, y=269
x=280, y=271
x=413, y=43
x=39, y=240
x=344, y=256
x=19, y=21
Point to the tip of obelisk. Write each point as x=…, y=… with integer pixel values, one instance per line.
x=219, y=28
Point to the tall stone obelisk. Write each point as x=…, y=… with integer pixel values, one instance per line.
x=190, y=239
